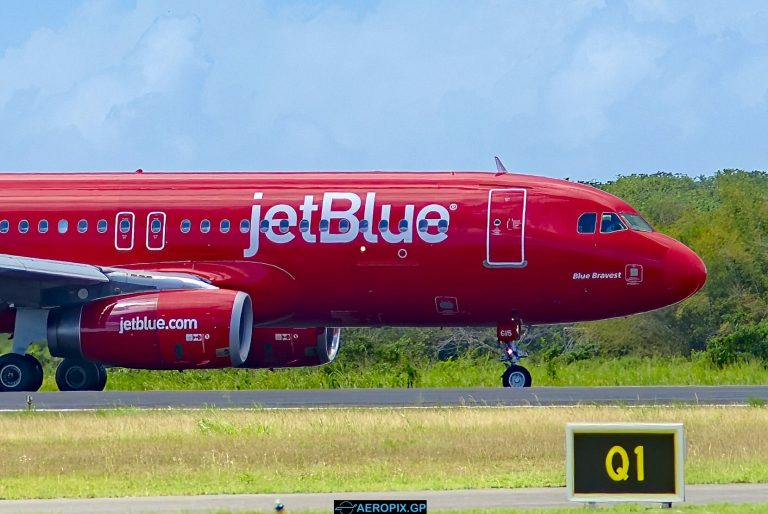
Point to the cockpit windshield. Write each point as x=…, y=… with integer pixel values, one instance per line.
x=636, y=222
x=610, y=222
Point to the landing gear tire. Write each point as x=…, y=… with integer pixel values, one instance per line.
x=38, y=375
x=516, y=376
x=102, y=377
x=20, y=373
x=80, y=375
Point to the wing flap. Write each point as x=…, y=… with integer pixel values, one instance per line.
x=27, y=282
x=55, y=273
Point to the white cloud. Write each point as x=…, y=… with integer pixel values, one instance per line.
x=398, y=84
x=605, y=69
x=163, y=57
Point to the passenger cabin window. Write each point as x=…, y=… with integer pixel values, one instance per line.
x=610, y=222
x=42, y=226
x=324, y=225
x=588, y=223
x=364, y=226
x=102, y=226
x=156, y=226
x=636, y=222
x=125, y=226
x=245, y=226
x=4, y=226
x=344, y=226
x=82, y=226
x=264, y=226
x=205, y=226
x=24, y=226
x=224, y=226
x=186, y=226
x=403, y=226
x=285, y=226
x=442, y=226
x=63, y=226
x=303, y=225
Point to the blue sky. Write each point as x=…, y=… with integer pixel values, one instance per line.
x=581, y=89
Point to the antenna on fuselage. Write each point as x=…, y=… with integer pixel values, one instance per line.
x=500, y=169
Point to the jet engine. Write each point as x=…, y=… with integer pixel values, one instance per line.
x=208, y=328
x=292, y=347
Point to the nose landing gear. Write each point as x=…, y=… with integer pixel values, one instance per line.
x=515, y=375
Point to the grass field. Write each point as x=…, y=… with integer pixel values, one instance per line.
x=458, y=373
x=461, y=372
x=125, y=452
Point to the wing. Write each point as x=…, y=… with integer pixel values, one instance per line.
x=45, y=283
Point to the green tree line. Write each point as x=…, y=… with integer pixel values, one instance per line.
x=723, y=218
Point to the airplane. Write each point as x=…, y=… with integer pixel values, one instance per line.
x=205, y=270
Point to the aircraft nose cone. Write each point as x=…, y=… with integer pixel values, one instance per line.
x=685, y=271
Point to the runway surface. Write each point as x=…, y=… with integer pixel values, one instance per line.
x=436, y=500
x=329, y=398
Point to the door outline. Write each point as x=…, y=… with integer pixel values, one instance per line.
x=117, y=230
x=161, y=216
x=522, y=263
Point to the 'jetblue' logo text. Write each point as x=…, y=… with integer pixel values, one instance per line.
x=339, y=221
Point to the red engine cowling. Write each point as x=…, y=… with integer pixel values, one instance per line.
x=292, y=347
x=160, y=330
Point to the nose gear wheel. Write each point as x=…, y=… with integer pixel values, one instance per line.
x=515, y=375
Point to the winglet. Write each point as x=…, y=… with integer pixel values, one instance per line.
x=499, y=166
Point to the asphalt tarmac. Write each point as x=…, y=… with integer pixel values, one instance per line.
x=330, y=398
x=436, y=500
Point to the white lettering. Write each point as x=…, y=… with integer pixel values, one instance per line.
x=255, y=218
x=340, y=221
x=289, y=220
x=307, y=208
x=145, y=323
x=442, y=214
x=597, y=276
x=392, y=233
x=330, y=215
x=368, y=235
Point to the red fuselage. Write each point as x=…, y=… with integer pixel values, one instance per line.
x=360, y=249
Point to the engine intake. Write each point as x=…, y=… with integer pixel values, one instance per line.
x=158, y=330
x=292, y=347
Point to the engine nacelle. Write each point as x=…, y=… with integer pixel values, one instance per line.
x=208, y=328
x=292, y=347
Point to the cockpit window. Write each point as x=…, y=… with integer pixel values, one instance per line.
x=587, y=223
x=610, y=222
x=636, y=222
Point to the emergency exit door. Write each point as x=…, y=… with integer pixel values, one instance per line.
x=505, y=245
x=156, y=230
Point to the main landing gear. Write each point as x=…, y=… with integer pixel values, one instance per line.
x=515, y=375
x=25, y=373
x=20, y=372
x=80, y=375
